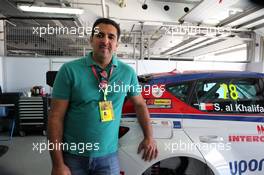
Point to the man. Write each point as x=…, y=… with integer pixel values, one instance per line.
x=85, y=112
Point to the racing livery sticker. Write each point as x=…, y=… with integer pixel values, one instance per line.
x=260, y=129
x=158, y=103
x=157, y=92
x=206, y=106
x=246, y=138
x=259, y=137
x=243, y=167
x=239, y=107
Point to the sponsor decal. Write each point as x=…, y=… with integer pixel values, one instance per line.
x=162, y=102
x=244, y=166
x=157, y=92
x=254, y=108
x=177, y=124
x=245, y=107
x=158, y=103
x=260, y=129
x=259, y=137
x=165, y=123
x=246, y=138
x=206, y=106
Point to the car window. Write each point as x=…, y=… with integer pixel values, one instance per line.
x=229, y=95
x=180, y=90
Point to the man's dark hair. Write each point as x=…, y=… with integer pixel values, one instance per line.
x=106, y=21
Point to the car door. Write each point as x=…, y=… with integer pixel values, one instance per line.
x=228, y=127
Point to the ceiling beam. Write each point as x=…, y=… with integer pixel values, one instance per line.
x=238, y=16
x=258, y=26
x=250, y=22
x=215, y=47
x=178, y=45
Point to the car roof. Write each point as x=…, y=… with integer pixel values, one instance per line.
x=177, y=76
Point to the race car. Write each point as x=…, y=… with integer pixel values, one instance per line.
x=204, y=123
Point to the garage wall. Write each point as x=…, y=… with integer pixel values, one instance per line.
x=255, y=67
x=1, y=72
x=20, y=74
x=56, y=63
x=153, y=66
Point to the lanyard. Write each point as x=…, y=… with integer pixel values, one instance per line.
x=104, y=89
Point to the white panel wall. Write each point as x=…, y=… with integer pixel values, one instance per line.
x=56, y=63
x=202, y=65
x=155, y=66
x=1, y=72
x=132, y=63
x=255, y=67
x=21, y=74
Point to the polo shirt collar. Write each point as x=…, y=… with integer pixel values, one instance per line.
x=91, y=62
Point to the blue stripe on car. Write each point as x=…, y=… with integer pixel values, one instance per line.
x=205, y=117
x=211, y=75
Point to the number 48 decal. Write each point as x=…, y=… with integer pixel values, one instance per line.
x=231, y=88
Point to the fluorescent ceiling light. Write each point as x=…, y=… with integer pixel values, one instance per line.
x=40, y=9
x=212, y=21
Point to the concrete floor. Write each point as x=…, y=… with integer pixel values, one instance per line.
x=23, y=158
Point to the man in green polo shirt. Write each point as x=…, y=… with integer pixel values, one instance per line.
x=85, y=112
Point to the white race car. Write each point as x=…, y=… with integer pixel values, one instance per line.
x=204, y=123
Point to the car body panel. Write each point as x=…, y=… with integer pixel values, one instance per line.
x=240, y=135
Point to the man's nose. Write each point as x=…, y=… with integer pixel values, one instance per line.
x=105, y=39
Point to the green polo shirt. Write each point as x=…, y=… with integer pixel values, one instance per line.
x=84, y=133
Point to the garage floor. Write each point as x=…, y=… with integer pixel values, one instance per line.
x=21, y=159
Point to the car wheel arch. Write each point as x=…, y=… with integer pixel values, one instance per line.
x=186, y=162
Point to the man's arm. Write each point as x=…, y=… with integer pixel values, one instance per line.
x=148, y=145
x=55, y=134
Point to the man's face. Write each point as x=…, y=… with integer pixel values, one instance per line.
x=104, y=43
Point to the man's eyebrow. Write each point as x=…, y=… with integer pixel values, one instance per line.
x=111, y=34
x=101, y=32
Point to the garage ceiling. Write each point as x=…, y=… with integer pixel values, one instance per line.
x=144, y=32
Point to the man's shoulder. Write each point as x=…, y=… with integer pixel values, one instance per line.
x=124, y=66
x=75, y=62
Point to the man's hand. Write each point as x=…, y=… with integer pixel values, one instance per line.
x=60, y=170
x=149, y=148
